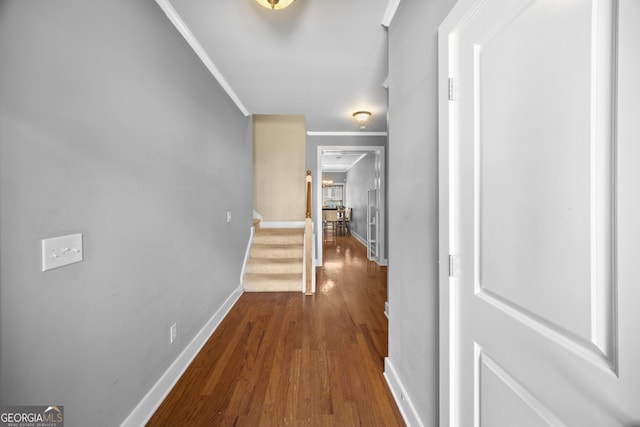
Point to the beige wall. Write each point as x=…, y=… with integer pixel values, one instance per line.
x=279, y=167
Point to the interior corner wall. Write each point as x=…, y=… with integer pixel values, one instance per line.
x=111, y=126
x=279, y=167
x=413, y=202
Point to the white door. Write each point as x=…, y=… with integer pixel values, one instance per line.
x=540, y=174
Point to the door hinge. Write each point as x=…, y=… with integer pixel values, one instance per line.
x=451, y=97
x=451, y=265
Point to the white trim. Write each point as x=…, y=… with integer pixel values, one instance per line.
x=363, y=242
x=316, y=133
x=390, y=12
x=446, y=317
x=282, y=224
x=313, y=258
x=303, y=288
x=444, y=352
x=313, y=261
x=152, y=400
x=247, y=254
x=359, y=238
x=405, y=405
x=182, y=28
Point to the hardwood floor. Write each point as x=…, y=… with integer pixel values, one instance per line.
x=285, y=359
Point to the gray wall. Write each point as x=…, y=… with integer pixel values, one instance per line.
x=111, y=126
x=360, y=178
x=413, y=201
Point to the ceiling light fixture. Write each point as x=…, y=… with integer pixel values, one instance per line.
x=275, y=4
x=362, y=117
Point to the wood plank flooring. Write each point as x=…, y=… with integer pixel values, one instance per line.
x=285, y=359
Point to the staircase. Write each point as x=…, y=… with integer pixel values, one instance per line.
x=275, y=261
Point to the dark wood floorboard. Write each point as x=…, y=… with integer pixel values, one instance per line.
x=285, y=359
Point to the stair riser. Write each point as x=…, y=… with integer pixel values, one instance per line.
x=263, y=251
x=272, y=283
x=267, y=268
x=277, y=240
x=272, y=287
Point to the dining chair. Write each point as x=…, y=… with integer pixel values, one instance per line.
x=330, y=220
x=347, y=220
x=344, y=219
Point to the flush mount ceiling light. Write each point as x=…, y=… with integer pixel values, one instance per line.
x=362, y=117
x=275, y=4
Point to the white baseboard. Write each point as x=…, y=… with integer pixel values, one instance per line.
x=359, y=238
x=152, y=400
x=362, y=240
x=247, y=253
x=282, y=224
x=400, y=395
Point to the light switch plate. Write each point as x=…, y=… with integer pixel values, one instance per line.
x=63, y=250
x=228, y=216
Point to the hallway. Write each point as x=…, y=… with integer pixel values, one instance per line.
x=286, y=359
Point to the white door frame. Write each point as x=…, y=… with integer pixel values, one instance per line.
x=381, y=173
x=444, y=291
x=445, y=185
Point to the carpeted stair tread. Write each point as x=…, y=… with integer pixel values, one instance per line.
x=276, y=251
x=283, y=282
x=274, y=265
x=280, y=236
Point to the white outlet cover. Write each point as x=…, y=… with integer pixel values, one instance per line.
x=60, y=251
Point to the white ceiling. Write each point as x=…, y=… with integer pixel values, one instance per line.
x=340, y=160
x=323, y=59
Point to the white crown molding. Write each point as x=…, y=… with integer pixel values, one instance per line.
x=390, y=12
x=314, y=133
x=182, y=28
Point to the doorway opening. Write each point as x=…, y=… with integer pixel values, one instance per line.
x=351, y=179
